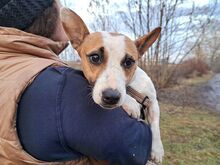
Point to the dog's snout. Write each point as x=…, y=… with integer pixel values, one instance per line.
x=110, y=96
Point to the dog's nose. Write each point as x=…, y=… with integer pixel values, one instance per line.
x=110, y=96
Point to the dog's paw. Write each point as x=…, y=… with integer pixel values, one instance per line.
x=157, y=152
x=132, y=109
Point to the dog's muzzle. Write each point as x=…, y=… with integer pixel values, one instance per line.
x=110, y=97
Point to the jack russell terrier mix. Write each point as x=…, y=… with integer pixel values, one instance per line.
x=109, y=62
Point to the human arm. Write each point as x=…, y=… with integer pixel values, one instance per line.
x=103, y=134
x=58, y=121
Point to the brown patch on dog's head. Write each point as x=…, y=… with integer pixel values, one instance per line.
x=136, y=49
x=131, y=51
x=144, y=42
x=84, y=43
x=93, y=44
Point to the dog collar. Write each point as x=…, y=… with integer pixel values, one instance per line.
x=143, y=100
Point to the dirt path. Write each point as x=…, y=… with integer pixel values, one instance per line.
x=201, y=95
x=211, y=92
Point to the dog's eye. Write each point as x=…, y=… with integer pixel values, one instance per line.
x=128, y=62
x=95, y=59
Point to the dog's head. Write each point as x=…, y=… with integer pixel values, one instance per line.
x=109, y=60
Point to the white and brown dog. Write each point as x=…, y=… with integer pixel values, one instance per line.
x=109, y=62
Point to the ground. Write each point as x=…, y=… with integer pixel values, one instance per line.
x=190, y=129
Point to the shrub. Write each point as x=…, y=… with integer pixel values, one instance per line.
x=192, y=67
x=166, y=75
x=162, y=75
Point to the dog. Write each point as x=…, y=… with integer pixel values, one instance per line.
x=109, y=62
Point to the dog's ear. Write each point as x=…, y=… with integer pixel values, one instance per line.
x=74, y=27
x=144, y=42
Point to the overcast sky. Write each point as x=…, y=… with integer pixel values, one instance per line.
x=80, y=6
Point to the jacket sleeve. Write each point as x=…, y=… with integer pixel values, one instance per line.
x=93, y=131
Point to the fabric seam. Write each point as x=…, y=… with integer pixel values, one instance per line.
x=58, y=112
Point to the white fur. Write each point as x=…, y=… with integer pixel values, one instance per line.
x=132, y=107
x=113, y=76
x=142, y=83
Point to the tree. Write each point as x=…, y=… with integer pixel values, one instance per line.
x=180, y=26
x=209, y=46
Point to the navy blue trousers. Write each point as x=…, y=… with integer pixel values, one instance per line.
x=57, y=120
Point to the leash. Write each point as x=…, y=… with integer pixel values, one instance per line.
x=144, y=107
x=143, y=100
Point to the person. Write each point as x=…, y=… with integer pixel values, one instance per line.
x=47, y=114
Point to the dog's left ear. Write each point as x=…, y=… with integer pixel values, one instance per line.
x=74, y=27
x=144, y=42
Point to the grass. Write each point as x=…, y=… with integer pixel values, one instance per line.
x=197, y=80
x=190, y=136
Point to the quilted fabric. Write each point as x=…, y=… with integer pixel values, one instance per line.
x=21, y=13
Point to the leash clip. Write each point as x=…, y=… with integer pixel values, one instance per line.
x=143, y=107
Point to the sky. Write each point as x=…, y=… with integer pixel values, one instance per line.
x=80, y=7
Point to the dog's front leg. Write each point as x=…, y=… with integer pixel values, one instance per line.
x=132, y=107
x=142, y=83
x=157, y=151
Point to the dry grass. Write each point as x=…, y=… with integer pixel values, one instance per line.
x=167, y=75
x=190, y=136
x=190, y=131
x=192, y=67
x=196, y=80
